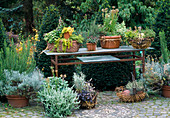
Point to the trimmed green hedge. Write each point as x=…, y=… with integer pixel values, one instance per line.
x=49, y=22
x=107, y=76
x=2, y=34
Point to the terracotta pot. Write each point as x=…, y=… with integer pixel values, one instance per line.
x=166, y=91
x=17, y=101
x=75, y=47
x=91, y=46
x=110, y=42
x=66, y=35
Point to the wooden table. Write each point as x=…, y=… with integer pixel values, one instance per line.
x=82, y=57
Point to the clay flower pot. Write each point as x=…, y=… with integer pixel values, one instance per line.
x=110, y=42
x=166, y=91
x=66, y=35
x=17, y=101
x=91, y=46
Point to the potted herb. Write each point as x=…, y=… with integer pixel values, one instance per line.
x=133, y=92
x=92, y=43
x=110, y=38
x=140, y=39
x=20, y=87
x=86, y=93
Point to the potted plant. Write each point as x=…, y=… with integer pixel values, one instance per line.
x=92, y=43
x=67, y=32
x=166, y=79
x=110, y=38
x=86, y=93
x=63, y=41
x=20, y=87
x=140, y=39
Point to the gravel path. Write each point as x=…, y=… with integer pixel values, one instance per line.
x=108, y=107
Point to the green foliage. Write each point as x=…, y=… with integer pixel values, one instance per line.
x=134, y=13
x=49, y=22
x=148, y=33
x=107, y=76
x=138, y=84
x=77, y=38
x=110, y=19
x=79, y=81
x=23, y=84
x=164, y=50
x=161, y=24
x=24, y=62
x=92, y=39
x=52, y=35
x=2, y=34
x=153, y=75
x=58, y=99
x=11, y=60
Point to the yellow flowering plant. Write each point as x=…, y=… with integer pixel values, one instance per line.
x=67, y=29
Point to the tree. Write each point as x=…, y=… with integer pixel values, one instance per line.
x=28, y=15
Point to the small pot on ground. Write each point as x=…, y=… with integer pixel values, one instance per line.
x=166, y=91
x=17, y=101
x=91, y=46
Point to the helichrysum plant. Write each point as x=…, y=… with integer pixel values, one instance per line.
x=24, y=84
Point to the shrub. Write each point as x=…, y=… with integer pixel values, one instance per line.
x=161, y=24
x=49, y=22
x=2, y=34
x=134, y=13
x=107, y=76
x=58, y=99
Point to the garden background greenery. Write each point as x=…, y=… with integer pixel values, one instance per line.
x=23, y=19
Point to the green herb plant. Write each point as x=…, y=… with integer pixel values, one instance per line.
x=58, y=99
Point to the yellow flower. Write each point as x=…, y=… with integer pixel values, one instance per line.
x=151, y=68
x=68, y=29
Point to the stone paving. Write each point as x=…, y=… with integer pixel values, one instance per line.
x=108, y=107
